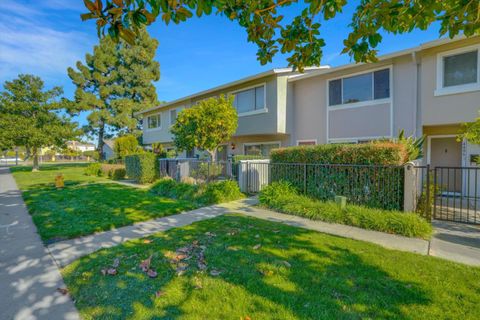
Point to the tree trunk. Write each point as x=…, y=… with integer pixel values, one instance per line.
x=101, y=134
x=35, y=167
x=213, y=155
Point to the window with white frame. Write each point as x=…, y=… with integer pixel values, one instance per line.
x=173, y=116
x=260, y=149
x=154, y=121
x=251, y=99
x=363, y=87
x=459, y=69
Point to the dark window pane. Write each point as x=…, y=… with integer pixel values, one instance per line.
x=335, y=92
x=260, y=97
x=382, y=84
x=460, y=69
x=357, y=88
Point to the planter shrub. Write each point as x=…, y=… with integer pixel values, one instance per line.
x=142, y=168
x=284, y=197
x=367, y=174
x=93, y=169
x=201, y=194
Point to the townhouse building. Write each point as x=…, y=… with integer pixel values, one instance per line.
x=431, y=89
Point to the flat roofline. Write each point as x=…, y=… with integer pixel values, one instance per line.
x=423, y=46
x=229, y=84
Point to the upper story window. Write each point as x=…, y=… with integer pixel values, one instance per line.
x=173, y=116
x=252, y=99
x=154, y=121
x=458, y=71
x=364, y=87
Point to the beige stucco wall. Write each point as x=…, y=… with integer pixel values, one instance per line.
x=445, y=109
x=374, y=120
x=273, y=121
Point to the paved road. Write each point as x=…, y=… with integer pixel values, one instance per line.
x=29, y=278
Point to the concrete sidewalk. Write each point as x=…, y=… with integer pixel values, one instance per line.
x=29, y=278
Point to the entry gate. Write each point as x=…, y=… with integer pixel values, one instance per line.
x=456, y=193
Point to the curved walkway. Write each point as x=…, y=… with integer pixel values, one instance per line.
x=29, y=277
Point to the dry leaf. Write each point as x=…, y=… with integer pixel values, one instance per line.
x=116, y=263
x=257, y=246
x=181, y=256
x=145, y=264
x=104, y=272
x=159, y=293
x=63, y=291
x=210, y=234
x=147, y=241
x=215, y=272
x=183, y=249
x=195, y=243
x=287, y=264
x=202, y=266
x=152, y=273
x=111, y=271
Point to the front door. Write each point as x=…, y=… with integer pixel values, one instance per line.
x=446, y=156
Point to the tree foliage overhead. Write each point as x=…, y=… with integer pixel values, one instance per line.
x=30, y=116
x=205, y=126
x=115, y=82
x=300, y=37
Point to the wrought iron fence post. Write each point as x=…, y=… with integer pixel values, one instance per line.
x=305, y=178
x=428, y=210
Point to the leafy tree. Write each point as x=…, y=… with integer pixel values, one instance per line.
x=30, y=116
x=206, y=125
x=114, y=83
x=471, y=131
x=126, y=145
x=299, y=37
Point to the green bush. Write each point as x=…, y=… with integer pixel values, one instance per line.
x=142, y=168
x=202, y=194
x=92, y=154
x=220, y=191
x=126, y=145
x=118, y=173
x=93, y=169
x=283, y=197
x=367, y=174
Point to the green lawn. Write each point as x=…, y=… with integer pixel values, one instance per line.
x=293, y=274
x=87, y=204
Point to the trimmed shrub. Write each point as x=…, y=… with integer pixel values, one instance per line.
x=220, y=191
x=240, y=157
x=367, y=174
x=126, y=145
x=142, y=168
x=93, y=169
x=378, y=153
x=283, y=197
x=202, y=194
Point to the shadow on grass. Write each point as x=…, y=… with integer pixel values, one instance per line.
x=82, y=209
x=295, y=274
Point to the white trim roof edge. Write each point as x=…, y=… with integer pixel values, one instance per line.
x=423, y=46
x=229, y=84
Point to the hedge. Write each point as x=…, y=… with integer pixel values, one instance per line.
x=201, y=194
x=112, y=171
x=283, y=197
x=142, y=168
x=374, y=153
x=367, y=174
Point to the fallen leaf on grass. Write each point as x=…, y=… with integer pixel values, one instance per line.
x=257, y=246
x=116, y=263
x=147, y=241
x=63, y=291
x=286, y=264
x=159, y=293
x=210, y=234
x=145, y=264
x=152, y=273
x=215, y=272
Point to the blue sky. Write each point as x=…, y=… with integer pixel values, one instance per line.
x=45, y=37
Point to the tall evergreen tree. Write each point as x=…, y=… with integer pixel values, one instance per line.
x=115, y=82
x=30, y=116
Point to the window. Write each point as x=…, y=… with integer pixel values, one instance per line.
x=460, y=69
x=260, y=149
x=364, y=87
x=173, y=116
x=250, y=100
x=154, y=121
